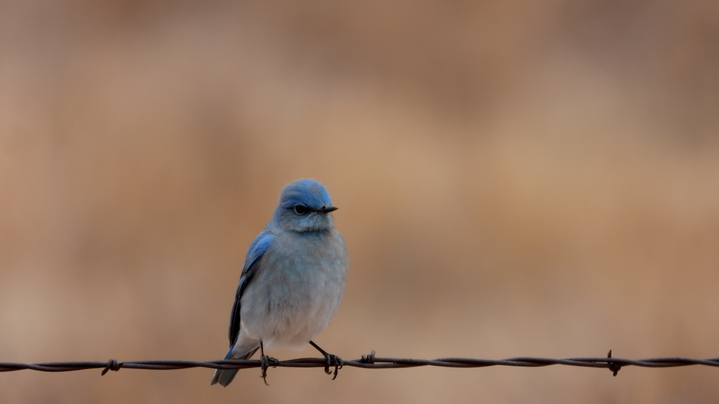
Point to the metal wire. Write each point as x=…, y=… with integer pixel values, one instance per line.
x=367, y=362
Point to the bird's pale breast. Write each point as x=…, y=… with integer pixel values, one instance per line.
x=304, y=277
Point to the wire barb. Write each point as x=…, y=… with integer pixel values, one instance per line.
x=368, y=358
x=113, y=365
x=613, y=367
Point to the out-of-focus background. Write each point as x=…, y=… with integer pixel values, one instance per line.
x=514, y=178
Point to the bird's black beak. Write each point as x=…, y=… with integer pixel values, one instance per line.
x=327, y=209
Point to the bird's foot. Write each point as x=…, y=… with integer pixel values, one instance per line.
x=266, y=362
x=333, y=360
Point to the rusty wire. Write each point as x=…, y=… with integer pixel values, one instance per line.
x=367, y=361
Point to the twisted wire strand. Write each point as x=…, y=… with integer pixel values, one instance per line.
x=366, y=362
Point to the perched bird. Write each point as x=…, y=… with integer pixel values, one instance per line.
x=292, y=279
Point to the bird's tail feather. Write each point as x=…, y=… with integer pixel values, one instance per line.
x=225, y=376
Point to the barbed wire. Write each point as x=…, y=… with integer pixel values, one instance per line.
x=370, y=361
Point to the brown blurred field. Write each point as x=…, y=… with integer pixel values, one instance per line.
x=514, y=178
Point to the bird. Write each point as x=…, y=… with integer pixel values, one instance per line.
x=292, y=280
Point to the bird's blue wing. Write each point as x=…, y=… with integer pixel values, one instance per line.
x=254, y=255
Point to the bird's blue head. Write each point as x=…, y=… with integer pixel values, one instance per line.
x=305, y=205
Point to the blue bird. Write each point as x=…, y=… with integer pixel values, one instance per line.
x=292, y=280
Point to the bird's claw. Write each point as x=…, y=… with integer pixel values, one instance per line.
x=266, y=362
x=333, y=360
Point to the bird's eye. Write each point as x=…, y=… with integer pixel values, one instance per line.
x=301, y=209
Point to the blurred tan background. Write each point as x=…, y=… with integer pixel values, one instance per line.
x=514, y=178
